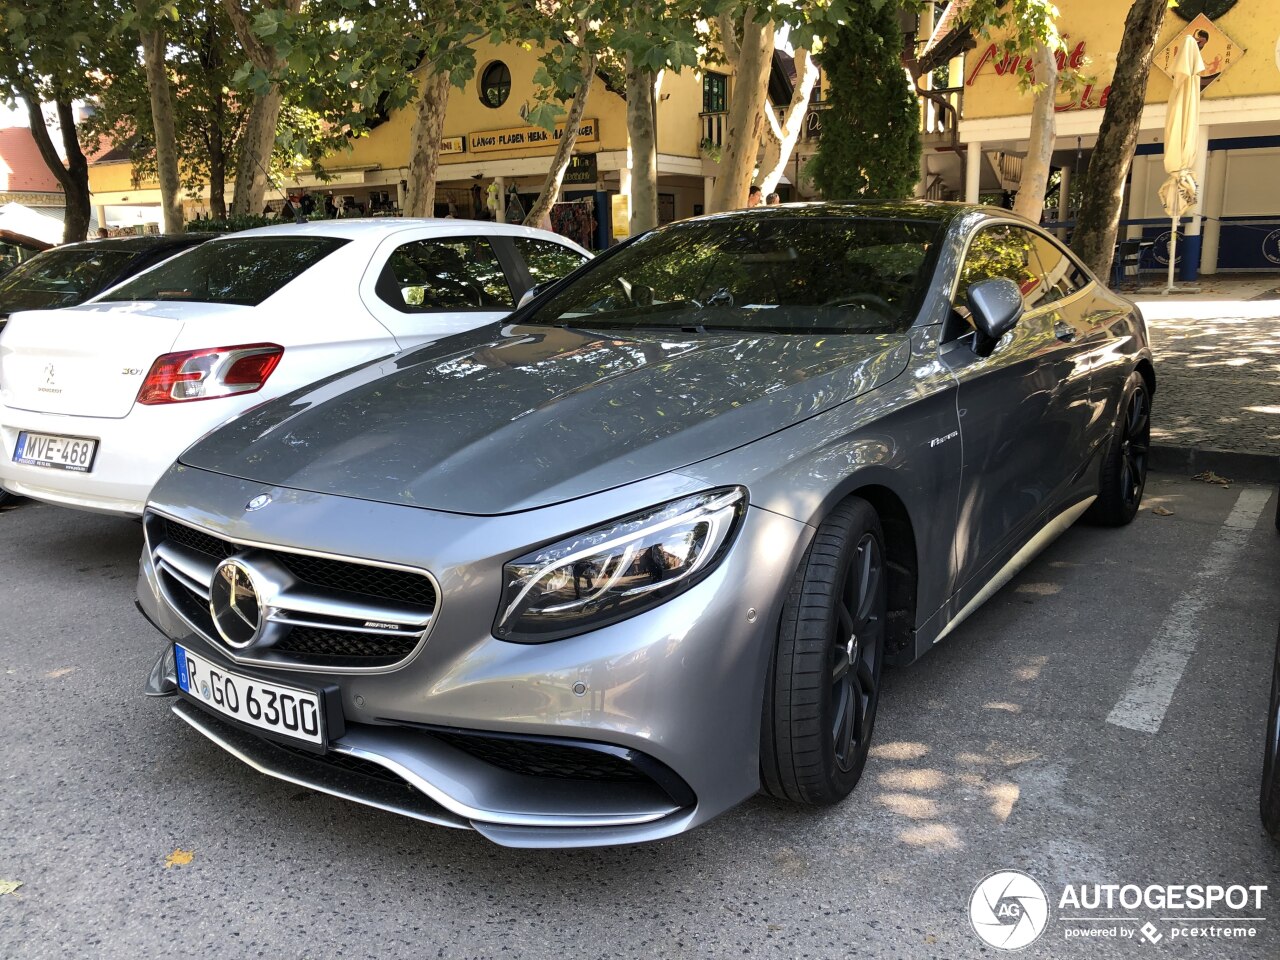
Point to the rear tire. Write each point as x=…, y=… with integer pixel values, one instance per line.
x=824, y=680
x=1269, y=802
x=1124, y=465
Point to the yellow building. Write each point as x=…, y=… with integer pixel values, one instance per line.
x=1238, y=219
x=491, y=155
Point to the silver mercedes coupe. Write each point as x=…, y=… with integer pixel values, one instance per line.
x=600, y=572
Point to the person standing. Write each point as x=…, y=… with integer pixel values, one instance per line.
x=754, y=196
x=773, y=200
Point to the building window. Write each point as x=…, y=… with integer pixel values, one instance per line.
x=715, y=92
x=495, y=84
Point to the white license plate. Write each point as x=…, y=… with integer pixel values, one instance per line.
x=286, y=711
x=61, y=453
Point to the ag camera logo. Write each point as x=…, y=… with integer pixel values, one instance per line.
x=1009, y=910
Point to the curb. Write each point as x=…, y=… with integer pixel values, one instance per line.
x=1232, y=464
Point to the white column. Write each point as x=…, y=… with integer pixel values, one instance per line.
x=101, y=213
x=972, y=171
x=708, y=184
x=1139, y=188
x=1215, y=192
x=401, y=194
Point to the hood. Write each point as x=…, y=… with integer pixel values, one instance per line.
x=531, y=415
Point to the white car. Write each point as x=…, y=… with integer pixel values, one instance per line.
x=97, y=400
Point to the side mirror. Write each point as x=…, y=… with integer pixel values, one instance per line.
x=996, y=305
x=529, y=294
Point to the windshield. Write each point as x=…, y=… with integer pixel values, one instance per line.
x=769, y=274
x=61, y=278
x=244, y=270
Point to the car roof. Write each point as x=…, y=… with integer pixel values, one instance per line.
x=944, y=211
x=141, y=244
x=376, y=228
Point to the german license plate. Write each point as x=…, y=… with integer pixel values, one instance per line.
x=60, y=453
x=286, y=711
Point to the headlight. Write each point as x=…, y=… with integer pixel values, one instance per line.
x=615, y=571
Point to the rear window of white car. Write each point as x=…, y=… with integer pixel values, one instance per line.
x=242, y=271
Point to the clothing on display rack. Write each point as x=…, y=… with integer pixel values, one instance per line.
x=575, y=219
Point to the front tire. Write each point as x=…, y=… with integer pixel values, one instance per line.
x=1269, y=802
x=1124, y=466
x=823, y=686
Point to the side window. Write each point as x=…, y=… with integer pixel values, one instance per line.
x=1061, y=273
x=546, y=260
x=454, y=273
x=1003, y=251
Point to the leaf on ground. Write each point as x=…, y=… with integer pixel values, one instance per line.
x=9, y=886
x=179, y=858
x=1162, y=511
x=1208, y=476
x=60, y=672
x=930, y=938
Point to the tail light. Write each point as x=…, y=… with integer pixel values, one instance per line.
x=205, y=374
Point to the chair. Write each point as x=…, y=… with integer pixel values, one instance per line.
x=1124, y=266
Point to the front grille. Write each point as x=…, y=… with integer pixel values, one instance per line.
x=398, y=586
x=384, y=593
x=318, y=645
x=197, y=540
x=536, y=758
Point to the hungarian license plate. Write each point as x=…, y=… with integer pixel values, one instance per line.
x=60, y=453
x=286, y=711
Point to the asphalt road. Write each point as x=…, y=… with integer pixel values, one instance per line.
x=1099, y=721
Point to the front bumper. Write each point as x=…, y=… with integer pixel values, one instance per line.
x=675, y=691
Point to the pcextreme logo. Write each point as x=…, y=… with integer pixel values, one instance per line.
x=1009, y=910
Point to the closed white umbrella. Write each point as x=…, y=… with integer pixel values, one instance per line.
x=1181, y=127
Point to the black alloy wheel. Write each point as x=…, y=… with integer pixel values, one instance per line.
x=823, y=687
x=1124, y=467
x=855, y=663
x=1269, y=802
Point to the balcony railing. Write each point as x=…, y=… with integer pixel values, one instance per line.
x=713, y=127
x=940, y=112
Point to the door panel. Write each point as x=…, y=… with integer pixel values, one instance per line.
x=1023, y=410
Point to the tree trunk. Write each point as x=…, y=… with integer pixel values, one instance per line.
x=780, y=138
x=1039, y=159
x=559, y=163
x=259, y=137
x=73, y=179
x=76, y=219
x=642, y=134
x=256, y=144
x=744, y=126
x=217, y=172
x=153, y=55
x=1103, y=194
x=424, y=155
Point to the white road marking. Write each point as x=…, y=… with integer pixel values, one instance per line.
x=1150, y=690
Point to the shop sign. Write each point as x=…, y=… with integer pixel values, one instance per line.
x=450, y=145
x=620, y=207
x=1218, y=51
x=581, y=169
x=518, y=138
x=1012, y=65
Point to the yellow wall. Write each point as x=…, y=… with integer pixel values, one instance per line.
x=1253, y=24
x=388, y=145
